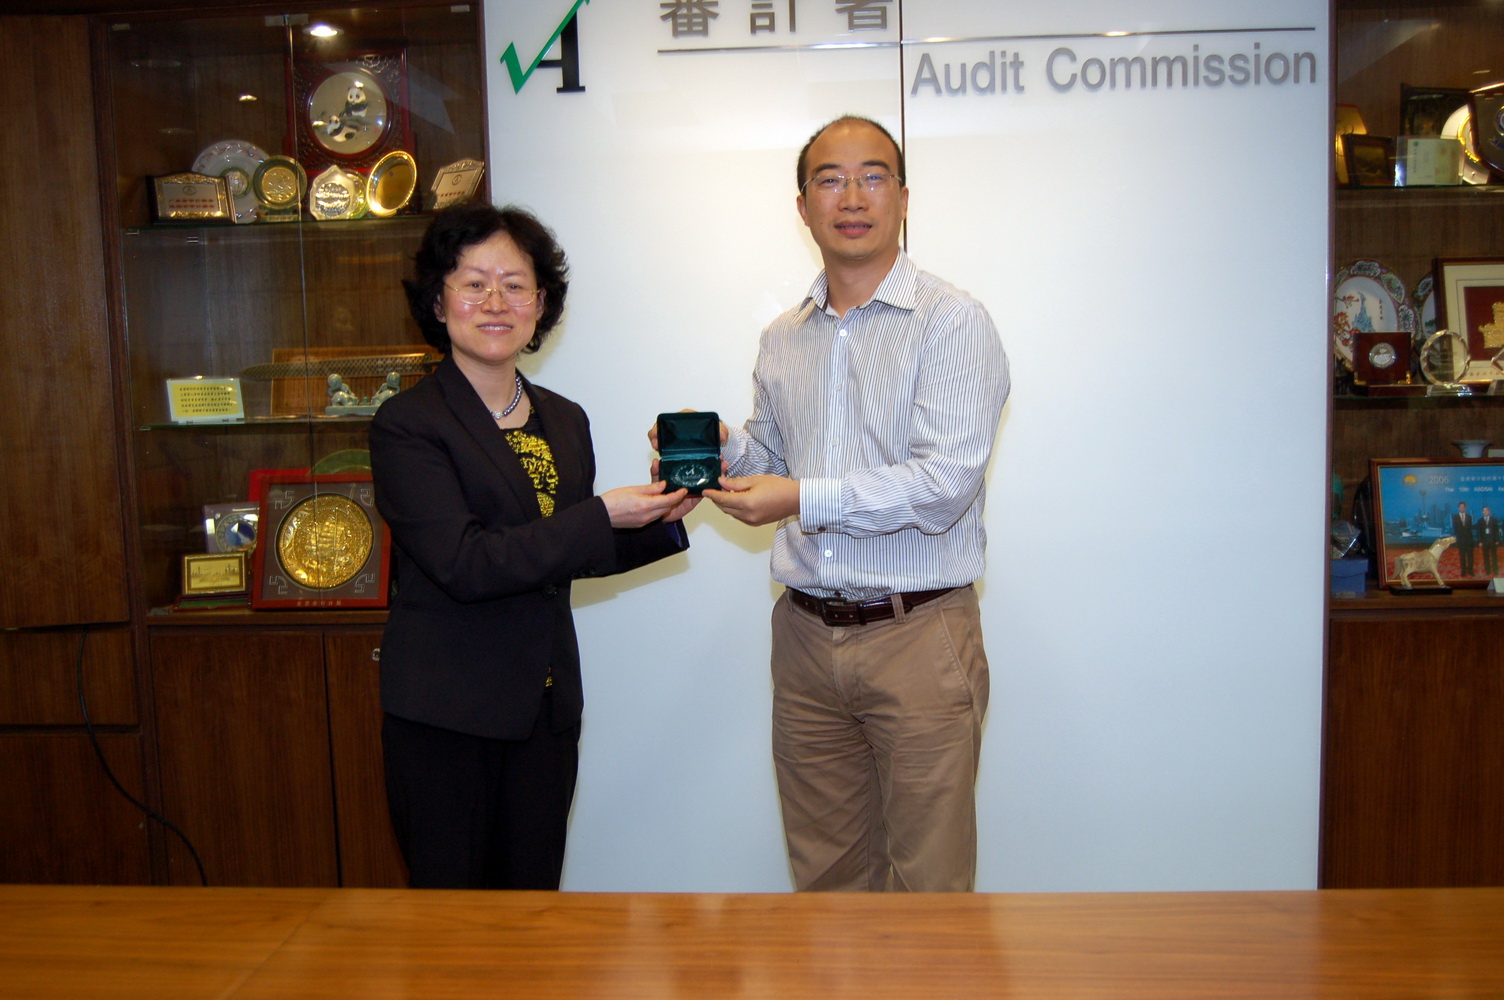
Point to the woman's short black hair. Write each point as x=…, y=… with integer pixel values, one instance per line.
x=455, y=229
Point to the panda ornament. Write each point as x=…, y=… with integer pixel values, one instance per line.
x=351, y=120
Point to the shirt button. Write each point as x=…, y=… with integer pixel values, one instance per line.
x=828, y=553
x=843, y=333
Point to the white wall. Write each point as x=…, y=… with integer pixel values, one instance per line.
x=1156, y=262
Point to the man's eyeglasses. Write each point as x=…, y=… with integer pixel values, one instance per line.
x=833, y=184
x=473, y=293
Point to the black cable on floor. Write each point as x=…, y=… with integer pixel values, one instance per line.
x=83, y=706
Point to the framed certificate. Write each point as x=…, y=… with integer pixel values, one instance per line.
x=204, y=400
x=190, y=197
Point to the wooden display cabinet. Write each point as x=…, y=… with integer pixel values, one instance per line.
x=258, y=735
x=1411, y=791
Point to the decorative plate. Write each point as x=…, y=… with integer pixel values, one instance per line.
x=1368, y=296
x=236, y=161
x=392, y=183
x=1425, y=309
x=347, y=112
x=1459, y=126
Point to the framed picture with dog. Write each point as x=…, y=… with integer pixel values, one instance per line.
x=1437, y=524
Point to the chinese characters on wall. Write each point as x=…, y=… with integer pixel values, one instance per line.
x=702, y=18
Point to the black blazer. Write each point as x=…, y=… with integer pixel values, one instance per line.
x=481, y=611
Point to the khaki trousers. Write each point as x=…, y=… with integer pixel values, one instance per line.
x=877, y=731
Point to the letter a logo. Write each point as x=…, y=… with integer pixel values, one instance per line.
x=567, y=34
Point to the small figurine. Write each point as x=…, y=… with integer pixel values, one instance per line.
x=387, y=391
x=339, y=395
x=1423, y=562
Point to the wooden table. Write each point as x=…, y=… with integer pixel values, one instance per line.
x=79, y=942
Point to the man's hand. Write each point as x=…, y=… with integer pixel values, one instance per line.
x=757, y=499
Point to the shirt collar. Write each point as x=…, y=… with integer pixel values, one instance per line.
x=899, y=288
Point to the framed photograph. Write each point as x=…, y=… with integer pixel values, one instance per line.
x=1470, y=302
x=1369, y=159
x=1424, y=110
x=1349, y=122
x=1437, y=523
x=322, y=543
x=213, y=573
x=350, y=109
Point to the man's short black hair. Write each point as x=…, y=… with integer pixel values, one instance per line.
x=802, y=169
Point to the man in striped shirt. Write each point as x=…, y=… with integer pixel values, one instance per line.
x=876, y=401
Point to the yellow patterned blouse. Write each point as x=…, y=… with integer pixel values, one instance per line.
x=536, y=457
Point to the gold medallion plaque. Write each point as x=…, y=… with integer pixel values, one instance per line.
x=324, y=541
x=280, y=184
x=324, y=544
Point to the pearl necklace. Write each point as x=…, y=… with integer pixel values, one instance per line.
x=517, y=398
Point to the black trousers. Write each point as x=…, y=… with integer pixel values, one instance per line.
x=477, y=813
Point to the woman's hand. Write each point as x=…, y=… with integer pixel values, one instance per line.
x=635, y=506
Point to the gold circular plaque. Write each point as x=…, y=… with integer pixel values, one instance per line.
x=392, y=183
x=324, y=541
x=280, y=182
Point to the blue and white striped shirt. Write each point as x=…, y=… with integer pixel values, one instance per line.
x=886, y=417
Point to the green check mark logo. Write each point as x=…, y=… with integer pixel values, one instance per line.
x=513, y=64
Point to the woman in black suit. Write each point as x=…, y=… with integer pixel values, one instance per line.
x=487, y=483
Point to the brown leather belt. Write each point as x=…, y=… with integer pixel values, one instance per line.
x=834, y=611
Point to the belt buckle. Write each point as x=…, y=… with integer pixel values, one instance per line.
x=833, y=604
x=855, y=612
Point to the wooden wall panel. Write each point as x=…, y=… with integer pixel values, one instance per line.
x=62, y=552
x=243, y=752
x=1413, y=775
x=39, y=678
x=64, y=820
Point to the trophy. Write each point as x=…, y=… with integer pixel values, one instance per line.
x=1443, y=360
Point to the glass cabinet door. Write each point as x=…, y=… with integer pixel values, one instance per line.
x=274, y=174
